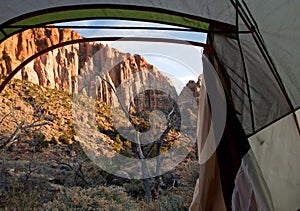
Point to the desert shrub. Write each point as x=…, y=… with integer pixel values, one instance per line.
x=19, y=195
x=173, y=202
x=98, y=198
x=40, y=142
x=53, y=141
x=39, y=137
x=64, y=139
x=118, y=144
x=164, y=203
x=135, y=188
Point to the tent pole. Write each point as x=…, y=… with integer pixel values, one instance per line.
x=263, y=49
x=245, y=70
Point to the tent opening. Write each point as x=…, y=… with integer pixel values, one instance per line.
x=148, y=80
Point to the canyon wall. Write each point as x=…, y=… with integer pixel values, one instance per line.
x=89, y=68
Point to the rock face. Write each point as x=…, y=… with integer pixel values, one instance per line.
x=53, y=69
x=91, y=69
x=88, y=68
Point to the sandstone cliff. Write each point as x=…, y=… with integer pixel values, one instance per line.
x=88, y=68
x=53, y=69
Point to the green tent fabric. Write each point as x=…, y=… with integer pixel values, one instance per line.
x=255, y=48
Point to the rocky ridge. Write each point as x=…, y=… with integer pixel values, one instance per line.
x=89, y=68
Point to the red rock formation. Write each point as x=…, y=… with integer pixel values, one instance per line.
x=48, y=70
x=77, y=67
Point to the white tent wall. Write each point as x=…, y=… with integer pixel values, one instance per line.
x=277, y=150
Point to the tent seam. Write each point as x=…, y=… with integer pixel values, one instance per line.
x=272, y=122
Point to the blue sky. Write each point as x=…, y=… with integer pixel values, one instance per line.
x=179, y=62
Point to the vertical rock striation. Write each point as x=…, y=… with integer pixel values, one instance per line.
x=89, y=68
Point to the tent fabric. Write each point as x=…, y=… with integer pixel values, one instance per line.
x=278, y=23
x=208, y=193
x=259, y=61
x=250, y=191
x=232, y=148
x=215, y=185
x=215, y=9
x=277, y=150
x=250, y=84
x=187, y=13
x=102, y=12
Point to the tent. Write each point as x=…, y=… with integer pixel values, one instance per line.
x=254, y=46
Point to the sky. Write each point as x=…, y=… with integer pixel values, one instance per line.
x=179, y=62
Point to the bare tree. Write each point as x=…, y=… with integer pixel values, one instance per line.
x=21, y=125
x=75, y=163
x=142, y=154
